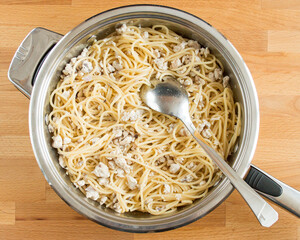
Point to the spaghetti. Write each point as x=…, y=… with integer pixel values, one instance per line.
x=119, y=152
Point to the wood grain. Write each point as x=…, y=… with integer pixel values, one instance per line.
x=37, y=2
x=284, y=41
x=278, y=4
x=7, y=213
x=265, y=32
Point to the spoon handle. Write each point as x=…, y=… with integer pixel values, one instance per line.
x=265, y=214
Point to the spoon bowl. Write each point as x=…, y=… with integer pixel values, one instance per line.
x=168, y=97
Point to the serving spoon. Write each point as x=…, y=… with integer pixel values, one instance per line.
x=170, y=97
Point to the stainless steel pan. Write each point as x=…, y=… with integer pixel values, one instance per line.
x=35, y=70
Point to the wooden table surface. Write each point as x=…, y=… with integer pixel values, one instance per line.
x=265, y=32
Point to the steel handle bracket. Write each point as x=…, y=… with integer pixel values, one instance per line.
x=29, y=57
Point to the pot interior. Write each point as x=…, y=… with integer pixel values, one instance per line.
x=102, y=33
x=70, y=46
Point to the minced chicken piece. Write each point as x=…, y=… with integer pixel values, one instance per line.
x=62, y=162
x=86, y=66
x=167, y=188
x=193, y=44
x=132, y=183
x=101, y=170
x=161, y=64
x=103, y=200
x=121, y=162
x=174, y=168
x=132, y=115
x=176, y=63
x=178, y=196
x=179, y=47
x=91, y=193
x=57, y=141
x=103, y=181
x=225, y=81
x=81, y=183
x=122, y=29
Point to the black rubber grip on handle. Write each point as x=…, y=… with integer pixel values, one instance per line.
x=259, y=181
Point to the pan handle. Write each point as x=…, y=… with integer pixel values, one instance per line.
x=275, y=190
x=29, y=57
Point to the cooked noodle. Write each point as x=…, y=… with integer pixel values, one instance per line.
x=119, y=152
